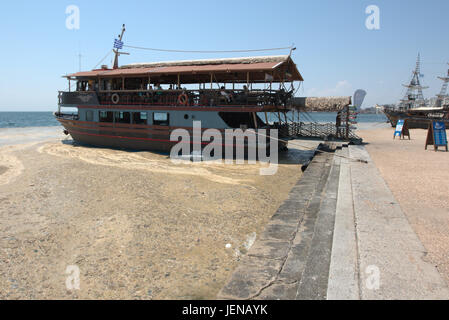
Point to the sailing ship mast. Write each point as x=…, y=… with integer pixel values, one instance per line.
x=414, y=97
x=442, y=95
x=118, y=45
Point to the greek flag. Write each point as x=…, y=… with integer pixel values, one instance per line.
x=118, y=44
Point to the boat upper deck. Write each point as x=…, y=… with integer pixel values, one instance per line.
x=227, y=82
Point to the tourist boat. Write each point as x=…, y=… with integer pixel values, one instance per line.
x=415, y=109
x=137, y=106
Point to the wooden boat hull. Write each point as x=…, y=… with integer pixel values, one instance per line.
x=148, y=139
x=414, y=121
x=121, y=138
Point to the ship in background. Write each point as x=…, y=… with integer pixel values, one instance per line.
x=417, y=110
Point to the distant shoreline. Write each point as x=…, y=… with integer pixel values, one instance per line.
x=23, y=111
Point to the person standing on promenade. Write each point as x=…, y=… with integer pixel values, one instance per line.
x=338, y=124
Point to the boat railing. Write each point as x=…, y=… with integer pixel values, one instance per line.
x=315, y=130
x=199, y=97
x=77, y=97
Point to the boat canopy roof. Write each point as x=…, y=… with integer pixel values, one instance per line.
x=322, y=104
x=249, y=69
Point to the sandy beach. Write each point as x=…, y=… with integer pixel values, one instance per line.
x=419, y=180
x=136, y=225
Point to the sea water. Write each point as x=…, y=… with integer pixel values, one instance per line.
x=27, y=119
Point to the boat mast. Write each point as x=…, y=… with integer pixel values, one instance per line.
x=117, y=53
x=442, y=95
x=414, y=97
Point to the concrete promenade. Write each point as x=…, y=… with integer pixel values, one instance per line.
x=340, y=235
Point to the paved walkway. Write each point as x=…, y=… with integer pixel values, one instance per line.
x=389, y=254
x=339, y=235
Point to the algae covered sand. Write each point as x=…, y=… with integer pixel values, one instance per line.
x=136, y=225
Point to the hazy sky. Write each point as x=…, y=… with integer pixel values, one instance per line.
x=336, y=53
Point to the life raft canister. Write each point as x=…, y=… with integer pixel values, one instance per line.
x=115, y=98
x=183, y=99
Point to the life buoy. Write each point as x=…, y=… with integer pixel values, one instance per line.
x=183, y=99
x=115, y=98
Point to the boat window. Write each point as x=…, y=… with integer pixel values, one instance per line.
x=160, y=118
x=89, y=115
x=140, y=117
x=81, y=85
x=106, y=116
x=122, y=117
